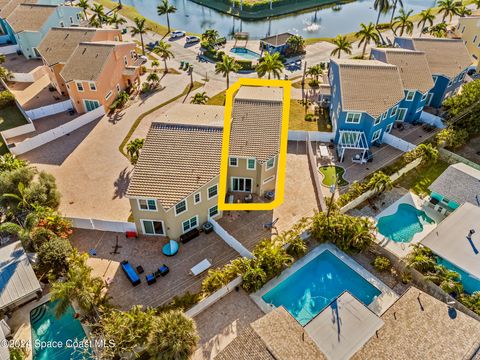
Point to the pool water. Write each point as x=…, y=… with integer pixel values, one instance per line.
x=470, y=283
x=245, y=53
x=305, y=293
x=403, y=224
x=65, y=330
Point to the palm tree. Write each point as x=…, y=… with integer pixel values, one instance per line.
x=155, y=65
x=116, y=20
x=134, y=147
x=173, y=336
x=210, y=35
x=380, y=182
x=199, y=98
x=439, y=30
x=366, y=34
x=163, y=50
x=153, y=78
x=164, y=9
x=476, y=3
x=403, y=22
x=315, y=71
x=426, y=16
x=342, y=45
x=394, y=8
x=271, y=65
x=226, y=66
x=295, y=44
x=464, y=11
x=99, y=13
x=421, y=258
x=83, y=4
x=382, y=6
x=448, y=280
x=140, y=28
x=448, y=8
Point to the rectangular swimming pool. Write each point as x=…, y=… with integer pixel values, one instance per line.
x=66, y=331
x=306, y=292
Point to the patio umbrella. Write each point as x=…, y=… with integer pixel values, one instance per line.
x=171, y=248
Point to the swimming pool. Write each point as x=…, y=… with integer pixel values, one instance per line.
x=245, y=53
x=470, y=283
x=403, y=224
x=306, y=292
x=66, y=332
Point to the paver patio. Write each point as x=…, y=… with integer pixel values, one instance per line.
x=147, y=252
x=414, y=134
x=19, y=64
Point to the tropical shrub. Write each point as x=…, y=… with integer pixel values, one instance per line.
x=406, y=277
x=448, y=280
x=6, y=99
x=309, y=117
x=421, y=258
x=182, y=302
x=471, y=301
x=245, y=65
x=9, y=162
x=382, y=263
x=452, y=138
x=53, y=256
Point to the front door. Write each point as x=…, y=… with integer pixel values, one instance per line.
x=241, y=184
x=91, y=105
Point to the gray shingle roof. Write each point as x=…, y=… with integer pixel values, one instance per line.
x=175, y=161
x=17, y=279
x=278, y=39
x=30, y=17
x=369, y=86
x=7, y=7
x=459, y=182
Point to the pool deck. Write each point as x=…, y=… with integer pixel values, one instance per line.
x=379, y=305
x=402, y=249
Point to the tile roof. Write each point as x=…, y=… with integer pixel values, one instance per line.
x=445, y=56
x=459, y=182
x=7, y=6
x=413, y=66
x=17, y=279
x=60, y=42
x=275, y=336
x=30, y=17
x=175, y=161
x=256, y=123
x=369, y=86
x=192, y=114
x=278, y=39
x=89, y=59
x=417, y=327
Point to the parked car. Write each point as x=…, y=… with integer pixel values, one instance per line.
x=177, y=34
x=192, y=39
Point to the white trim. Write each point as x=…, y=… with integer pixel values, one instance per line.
x=230, y=161
x=254, y=163
x=404, y=114
x=389, y=128
x=243, y=178
x=184, y=211
x=410, y=92
x=90, y=83
x=270, y=167
x=424, y=96
x=419, y=109
x=394, y=113
x=200, y=198
x=214, y=216
x=354, y=114
x=146, y=200
x=81, y=84
x=160, y=221
x=108, y=95
x=377, y=121
x=208, y=192
x=190, y=227
x=270, y=178
x=374, y=135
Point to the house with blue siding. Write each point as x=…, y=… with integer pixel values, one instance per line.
x=31, y=22
x=416, y=79
x=275, y=43
x=366, y=96
x=448, y=60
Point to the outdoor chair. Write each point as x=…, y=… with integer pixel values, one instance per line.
x=270, y=225
x=151, y=279
x=163, y=270
x=130, y=272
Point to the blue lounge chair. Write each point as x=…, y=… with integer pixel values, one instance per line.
x=151, y=279
x=163, y=270
x=130, y=272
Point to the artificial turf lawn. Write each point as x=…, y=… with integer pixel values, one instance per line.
x=332, y=173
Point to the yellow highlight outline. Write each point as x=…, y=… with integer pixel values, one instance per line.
x=282, y=156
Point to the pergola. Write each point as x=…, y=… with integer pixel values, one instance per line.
x=352, y=139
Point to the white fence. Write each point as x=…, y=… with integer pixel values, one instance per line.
x=19, y=130
x=102, y=225
x=32, y=76
x=368, y=194
x=10, y=49
x=56, y=133
x=432, y=120
x=230, y=240
x=50, y=109
x=312, y=161
x=300, y=135
x=212, y=299
x=398, y=143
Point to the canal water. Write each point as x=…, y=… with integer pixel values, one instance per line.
x=321, y=23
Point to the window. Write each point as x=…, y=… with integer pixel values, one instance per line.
x=108, y=95
x=450, y=83
x=213, y=211
x=233, y=161
x=78, y=16
x=71, y=20
x=475, y=38
x=353, y=118
x=79, y=86
x=190, y=224
x=268, y=179
x=241, y=184
x=401, y=113
x=149, y=205
x=151, y=227
x=125, y=60
x=62, y=24
x=92, y=86
x=212, y=191
x=394, y=110
x=419, y=109
x=116, y=38
x=181, y=207
x=463, y=29
x=435, y=77
x=270, y=164
x=251, y=164
x=376, y=135
x=389, y=128
x=378, y=120
x=410, y=95
x=197, y=198
x=424, y=96
x=118, y=88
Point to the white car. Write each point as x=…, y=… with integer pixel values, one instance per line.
x=177, y=34
x=192, y=39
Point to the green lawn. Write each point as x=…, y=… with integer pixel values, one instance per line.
x=419, y=179
x=10, y=117
x=297, y=119
x=218, y=99
x=332, y=174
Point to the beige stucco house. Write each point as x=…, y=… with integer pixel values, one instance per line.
x=174, y=186
x=59, y=44
x=469, y=29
